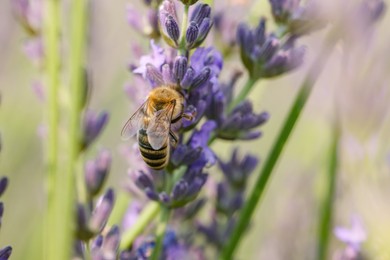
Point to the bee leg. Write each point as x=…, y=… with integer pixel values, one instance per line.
x=188, y=116
x=174, y=139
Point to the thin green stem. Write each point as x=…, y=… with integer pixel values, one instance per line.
x=120, y=206
x=147, y=215
x=262, y=180
x=325, y=224
x=243, y=94
x=160, y=232
x=184, y=22
x=51, y=34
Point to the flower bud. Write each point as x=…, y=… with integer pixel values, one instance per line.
x=191, y=34
x=111, y=243
x=102, y=212
x=5, y=252
x=96, y=172
x=168, y=23
x=3, y=185
x=172, y=29
x=201, y=78
x=180, y=67
x=93, y=126
x=188, y=78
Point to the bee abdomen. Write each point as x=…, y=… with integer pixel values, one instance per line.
x=155, y=159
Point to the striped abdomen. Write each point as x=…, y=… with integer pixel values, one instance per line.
x=155, y=159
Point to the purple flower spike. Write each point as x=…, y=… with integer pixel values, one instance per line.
x=237, y=172
x=199, y=26
x=168, y=23
x=264, y=55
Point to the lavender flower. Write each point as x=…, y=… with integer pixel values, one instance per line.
x=229, y=198
x=185, y=190
x=264, y=55
x=237, y=172
x=199, y=26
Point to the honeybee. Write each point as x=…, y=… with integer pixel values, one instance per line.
x=152, y=124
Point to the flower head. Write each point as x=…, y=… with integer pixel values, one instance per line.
x=264, y=55
x=199, y=26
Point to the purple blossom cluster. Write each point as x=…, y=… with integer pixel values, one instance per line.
x=213, y=110
x=210, y=115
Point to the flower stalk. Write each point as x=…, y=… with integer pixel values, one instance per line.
x=144, y=219
x=243, y=93
x=51, y=32
x=288, y=126
x=77, y=60
x=184, y=23
x=160, y=232
x=325, y=224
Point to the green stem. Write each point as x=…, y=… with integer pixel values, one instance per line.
x=147, y=215
x=160, y=232
x=184, y=22
x=243, y=94
x=121, y=204
x=77, y=64
x=262, y=180
x=67, y=184
x=51, y=34
x=325, y=224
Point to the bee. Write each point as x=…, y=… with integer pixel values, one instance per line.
x=152, y=124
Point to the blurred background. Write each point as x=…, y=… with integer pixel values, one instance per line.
x=354, y=89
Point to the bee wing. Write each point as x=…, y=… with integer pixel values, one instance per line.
x=159, y=125
x=134, y=123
